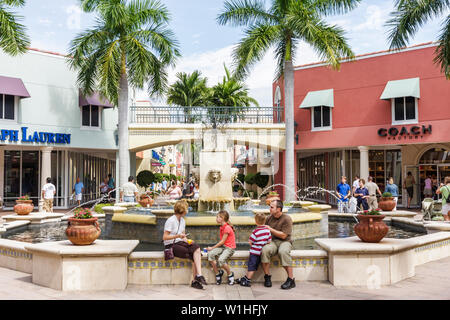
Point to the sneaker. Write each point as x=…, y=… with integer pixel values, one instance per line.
x=197, y=285
x=201, y=279
x=219, y=277
x=244, y=281
x=267, y=281
x=231, y=279
x=289, y=284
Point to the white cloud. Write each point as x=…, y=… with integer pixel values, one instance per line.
x=44, y=21
x=259, y=82
x=375, y=18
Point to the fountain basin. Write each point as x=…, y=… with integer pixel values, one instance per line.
x=302, y=204
x=319, y=208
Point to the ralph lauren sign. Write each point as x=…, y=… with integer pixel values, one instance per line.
x=37, y=137
x=413, y=132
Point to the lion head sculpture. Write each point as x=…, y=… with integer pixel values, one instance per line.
x=214, y=175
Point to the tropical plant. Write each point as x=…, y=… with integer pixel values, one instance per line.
x=410, y=15
x=228, y=100
x=241, y=177
x=250, y=178
x=130, y=45
x=386, y=195
x=13, y=37
x=282, y=26
x=261, y=180
x=145, y=178
x=158, y=177
x=188, y=91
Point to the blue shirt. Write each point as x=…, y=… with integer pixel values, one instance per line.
x=78, y=186
x=111, y=183
x=362, y=191
x=164, y=184
x=343, y=190
x=393, y=189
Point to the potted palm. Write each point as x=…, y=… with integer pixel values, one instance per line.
x=272, y=196
x=387, y=202
x=371, y=227
x=24, y=205
x=83, y=228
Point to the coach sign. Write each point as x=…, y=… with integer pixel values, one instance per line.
x=413, y=132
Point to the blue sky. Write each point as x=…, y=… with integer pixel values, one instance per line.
x=205, y=45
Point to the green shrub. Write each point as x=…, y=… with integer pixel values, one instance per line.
x=241, y=177
x=158, y=177
x=99, y=207
x=145, y=178
x=250, y=178
x=261, y=180
x=387, y=195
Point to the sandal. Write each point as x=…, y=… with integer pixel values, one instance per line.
x=197, y=285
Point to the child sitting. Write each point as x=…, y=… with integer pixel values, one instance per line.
x=223, y=250
x=258, y=239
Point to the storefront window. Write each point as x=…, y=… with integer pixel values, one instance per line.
x=90, y=116
x=321, y=117
x=7, y=106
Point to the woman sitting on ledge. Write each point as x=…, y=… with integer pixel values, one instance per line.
x=174, y=235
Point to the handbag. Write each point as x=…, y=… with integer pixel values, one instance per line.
x=168, y=253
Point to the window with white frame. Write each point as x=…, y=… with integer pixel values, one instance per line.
x=90, y=116
x=321, y=118
x=404, y=110
x=7, y=107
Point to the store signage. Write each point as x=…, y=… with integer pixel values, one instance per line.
x=156, y=164
x=38, y=137
x=414, y=132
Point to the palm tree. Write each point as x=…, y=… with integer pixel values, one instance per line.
x=188, y=91
x=129, y=45
x=13, y=39
x=409, y=15
x=282, y=26
x=231, y=94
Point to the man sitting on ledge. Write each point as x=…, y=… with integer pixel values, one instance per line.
x=280, y=225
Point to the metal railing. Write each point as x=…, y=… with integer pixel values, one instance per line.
x=212, y=115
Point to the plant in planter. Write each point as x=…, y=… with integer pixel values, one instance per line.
x=24, y=205
x=82, y=228
x=371, y=227
x=387, y=202
x=271, y=196
x=145, y=199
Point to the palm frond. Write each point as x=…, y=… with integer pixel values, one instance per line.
x=13, y=37
x=443, y=49
x=331, y=7
x=409, y=15
x=245, y=12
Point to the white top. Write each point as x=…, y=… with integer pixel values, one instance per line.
x=49, y=189
x=356, y=184
x=129, y=189
x=171, y=225
x=196, y=193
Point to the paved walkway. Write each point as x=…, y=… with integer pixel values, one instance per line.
x=431, y=282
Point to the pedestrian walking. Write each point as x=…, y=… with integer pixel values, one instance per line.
x=48, y=194
x=78, y=189
x=373, y=189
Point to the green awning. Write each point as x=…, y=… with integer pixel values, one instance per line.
x=401, y=88
x=318, y=98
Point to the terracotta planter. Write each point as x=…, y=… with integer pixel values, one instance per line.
x=23, y=207
x=82, y=232
x=371, y=228
x=146, y=201
x=269, y=199
x=387, y=204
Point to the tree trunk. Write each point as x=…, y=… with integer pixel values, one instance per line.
x=289, y=120
x=124, y=153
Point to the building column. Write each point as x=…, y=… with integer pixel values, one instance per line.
x=46, y=165
x=133, y=164
x=364, y=162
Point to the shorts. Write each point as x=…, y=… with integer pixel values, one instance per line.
x=428, y=192
x=183, y=250
x=410, y=191
x=253, y=262
x=78, y=197
x=221, y=254
x=128, y=199
x=446, y=209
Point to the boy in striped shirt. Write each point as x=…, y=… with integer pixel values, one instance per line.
x=259, y=238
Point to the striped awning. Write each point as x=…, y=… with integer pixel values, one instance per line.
x=401, y=88
x=318, y=98
x=13, y=86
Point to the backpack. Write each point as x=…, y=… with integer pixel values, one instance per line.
x=447, y=200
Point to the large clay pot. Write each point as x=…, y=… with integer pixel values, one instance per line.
x=82, y=232
x=23, y=207
x=144, y=201
x=371, y=228
x=269, y=199
x=387, y=204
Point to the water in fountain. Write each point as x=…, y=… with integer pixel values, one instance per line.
x=276, y=185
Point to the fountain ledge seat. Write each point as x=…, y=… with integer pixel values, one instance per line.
x=319, y=207
x=302, y=204
x=63, y=266
x=114, y=209
x=390, y=214
x=12, y=225
x=245, y=220
x=126, y=204
x=134, y=218
x=35, y=217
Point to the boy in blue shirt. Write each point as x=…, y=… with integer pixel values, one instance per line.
x=361, y=195
x=343, y=192
x=78, y=188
